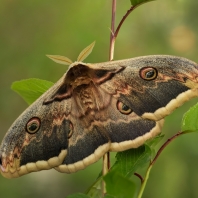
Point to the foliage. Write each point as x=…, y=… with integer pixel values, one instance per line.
x=31, y=89
x=189, y=123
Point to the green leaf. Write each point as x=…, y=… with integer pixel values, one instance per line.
x=127, y=162
x=78, y=195
x=95, y=190
x=190, y=120
x=154, y=141
x=118, y=186
x=109, y=196
x=31, y=89
x=139, y=2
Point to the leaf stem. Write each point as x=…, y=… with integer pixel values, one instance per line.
x=144, y=181
x=140, y=177
x=155, y=158
x=165, y=145
x=105, y=169
x=123, y=19
x=106, y=157
x=114, y=33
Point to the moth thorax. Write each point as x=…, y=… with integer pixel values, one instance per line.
x=87, y=96
x=83, y=80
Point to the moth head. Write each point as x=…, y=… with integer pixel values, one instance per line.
x=34, y=142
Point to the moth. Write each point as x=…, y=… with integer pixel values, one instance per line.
x=96, y=108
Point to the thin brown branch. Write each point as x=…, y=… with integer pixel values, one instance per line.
x=114, y=33
x=123, y=19
x=154, y=160
x=165, y=145
x=112, y=38
x=140, y=177
x=106, y=157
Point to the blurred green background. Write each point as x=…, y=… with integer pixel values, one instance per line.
x=31, y=29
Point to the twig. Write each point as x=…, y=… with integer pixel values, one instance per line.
x=140, y=177
x=123, y=19
x=112, y=35
x=164, y=146
x=105, y=170
x=106, y=157
x=154, y=160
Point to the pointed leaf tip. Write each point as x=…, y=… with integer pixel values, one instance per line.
x=31, y=89
x=85, y=52
x=139, y=2
x=60, y=59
